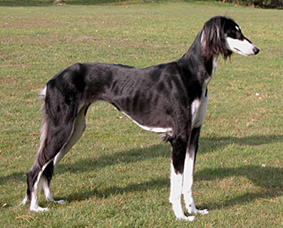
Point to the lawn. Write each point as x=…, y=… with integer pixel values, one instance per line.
x=118, y=174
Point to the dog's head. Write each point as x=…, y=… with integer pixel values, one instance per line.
x=222, y=35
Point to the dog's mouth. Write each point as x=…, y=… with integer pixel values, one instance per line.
x=237, y=49
x=240, y=52
x=254, y=52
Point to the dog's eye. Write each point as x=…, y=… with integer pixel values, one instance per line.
x=238, y=28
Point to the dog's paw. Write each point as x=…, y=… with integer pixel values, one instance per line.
x=195, y=211
x=201, y=212
x=187, y=218
x=50, y=199
x=58, y=201
x=179, y=213
x=191, y=208
x=39, y=209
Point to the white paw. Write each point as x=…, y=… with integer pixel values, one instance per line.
x=179, y=213
x=193, y=210
x=201, y=212
x=187, y=218
x=58, y=201
x=38, y=209
x=50, y=199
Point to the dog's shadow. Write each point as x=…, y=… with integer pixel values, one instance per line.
x=268, y=178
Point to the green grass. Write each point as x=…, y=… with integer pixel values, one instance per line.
x=118, y=175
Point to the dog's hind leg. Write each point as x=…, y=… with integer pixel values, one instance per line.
x=78, y=129
x=57, y=129
x=34, y=177
x=42, y=169
x=45, y=183
x=35, y=173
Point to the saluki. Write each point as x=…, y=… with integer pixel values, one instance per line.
x=169, y=99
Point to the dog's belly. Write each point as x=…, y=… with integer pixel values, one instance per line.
x=148, y=111
x=160, y=128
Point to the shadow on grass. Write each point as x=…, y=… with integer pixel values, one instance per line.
x=268, y=178
x=207, y=145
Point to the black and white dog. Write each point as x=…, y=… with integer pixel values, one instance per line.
x=169, y=98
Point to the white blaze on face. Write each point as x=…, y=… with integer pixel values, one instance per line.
x=242, y=47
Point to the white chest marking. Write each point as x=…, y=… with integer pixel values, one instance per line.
x=198, y=111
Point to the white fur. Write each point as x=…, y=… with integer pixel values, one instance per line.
x=78, y=129
x=242, y=47
x=188, y=183
x=198, y=111
x=214, y=66
x=176, y=184
x=34, y=202
x=47, y=191
x=188, y=180
x=151, y=129
x=238, y=28
x=42, y=93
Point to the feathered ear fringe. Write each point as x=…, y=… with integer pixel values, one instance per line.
x=213, y=39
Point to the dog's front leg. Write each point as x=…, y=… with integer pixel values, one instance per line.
x=176, y=193
x=189, y=174
x=176, y=177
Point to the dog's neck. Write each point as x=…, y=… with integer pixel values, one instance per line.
x=195, y=63
x=211, y=66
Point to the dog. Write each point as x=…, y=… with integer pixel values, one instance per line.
x=169, y=99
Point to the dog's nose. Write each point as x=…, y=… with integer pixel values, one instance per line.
x=256, y=50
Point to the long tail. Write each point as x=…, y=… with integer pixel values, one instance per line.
x=44, y=121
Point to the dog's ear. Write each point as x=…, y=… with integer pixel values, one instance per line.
x=213, y=38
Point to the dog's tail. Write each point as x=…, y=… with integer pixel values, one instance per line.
x=44, y=122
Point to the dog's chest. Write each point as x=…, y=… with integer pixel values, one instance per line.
x=198, y=109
